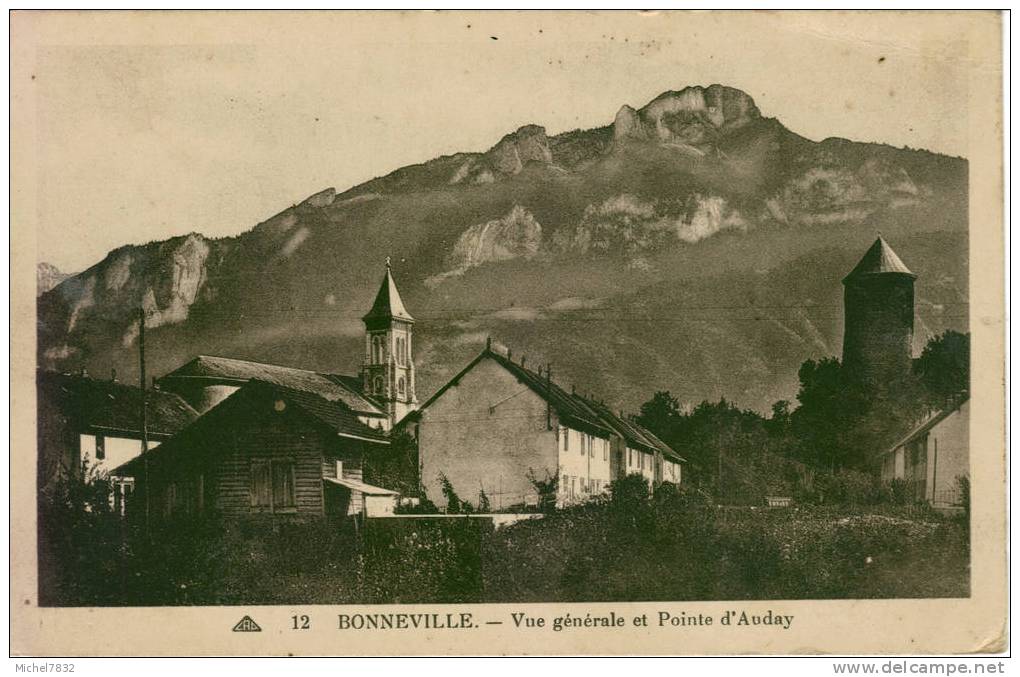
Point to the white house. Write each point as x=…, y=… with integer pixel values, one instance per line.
x=98, y=422
x=498, y=426
x=933, y=457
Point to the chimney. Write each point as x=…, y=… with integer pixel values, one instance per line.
x=510, y=353
x=573, y=389
x=488, y=343
x=113, y=375
x=523, y=358
x=155, y=386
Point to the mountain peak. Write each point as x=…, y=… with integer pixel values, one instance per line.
x=693, y=116
x=47, y=276
x=529, y=143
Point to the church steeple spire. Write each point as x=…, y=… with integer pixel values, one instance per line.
x=388, y=304
x=388, y=371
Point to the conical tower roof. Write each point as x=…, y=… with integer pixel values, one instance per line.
x=880, y=259
x=388, y=304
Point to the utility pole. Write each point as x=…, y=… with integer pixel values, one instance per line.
x=145, y=416
x=548, y=399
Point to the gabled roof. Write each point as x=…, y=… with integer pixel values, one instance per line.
x=880, y=259
x=572, y=409
x=927, y=425
x=112, y=406
x=388, y=304
x=331, y=387
x=636, y=435
x=334, y=416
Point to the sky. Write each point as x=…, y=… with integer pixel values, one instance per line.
x=148, y=126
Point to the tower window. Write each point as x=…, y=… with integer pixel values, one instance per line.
x=401, y=351
x=377, y=385
x=400, y=385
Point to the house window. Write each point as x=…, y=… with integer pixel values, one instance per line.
x=583, y=438
x=100, y=447
x=605, y=450
x=566, y=439
x=573, y=486
x=272, y=485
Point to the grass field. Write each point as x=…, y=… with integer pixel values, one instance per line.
x=666, y=548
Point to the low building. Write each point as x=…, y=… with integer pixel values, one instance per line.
x=381, y=394
x=281, y=440
x=497, y=427
x=933, y=457
x=98, y=423
x=264, y=450
x=207, y=380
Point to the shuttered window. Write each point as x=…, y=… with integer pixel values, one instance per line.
x=272, y=484
x=283, y=485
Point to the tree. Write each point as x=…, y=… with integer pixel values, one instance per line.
x=483, y=501
x=395, y=466
x=660, y=414
x=831, y=406
x=454, y=504
x=944, y=368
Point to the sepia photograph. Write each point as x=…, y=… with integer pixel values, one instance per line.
x=379, y=309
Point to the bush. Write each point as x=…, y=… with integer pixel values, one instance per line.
x=547, y=489
x=80, y=540
x=849, y=488
x=454, y=504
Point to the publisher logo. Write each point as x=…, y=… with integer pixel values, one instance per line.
x=246, y=624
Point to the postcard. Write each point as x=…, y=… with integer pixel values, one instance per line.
x=503, y=333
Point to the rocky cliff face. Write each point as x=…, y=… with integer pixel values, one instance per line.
x=693, y=118
x=47, y=276
x=163, y=279
x=516, y=235
x=691, y=245
x=507, y=158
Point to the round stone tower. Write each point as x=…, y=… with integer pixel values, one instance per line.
x=878, y=311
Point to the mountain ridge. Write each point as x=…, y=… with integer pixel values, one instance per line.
x=696, y=185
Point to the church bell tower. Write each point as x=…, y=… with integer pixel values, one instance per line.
x=388, y=371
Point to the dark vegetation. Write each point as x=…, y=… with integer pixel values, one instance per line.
x=848, y=534
x=823, y=451
x=675, y=544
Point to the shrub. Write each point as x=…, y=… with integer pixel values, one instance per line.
x=547, y=489
x=454, y=504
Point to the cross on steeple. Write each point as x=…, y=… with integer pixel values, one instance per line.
x=387, y=263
